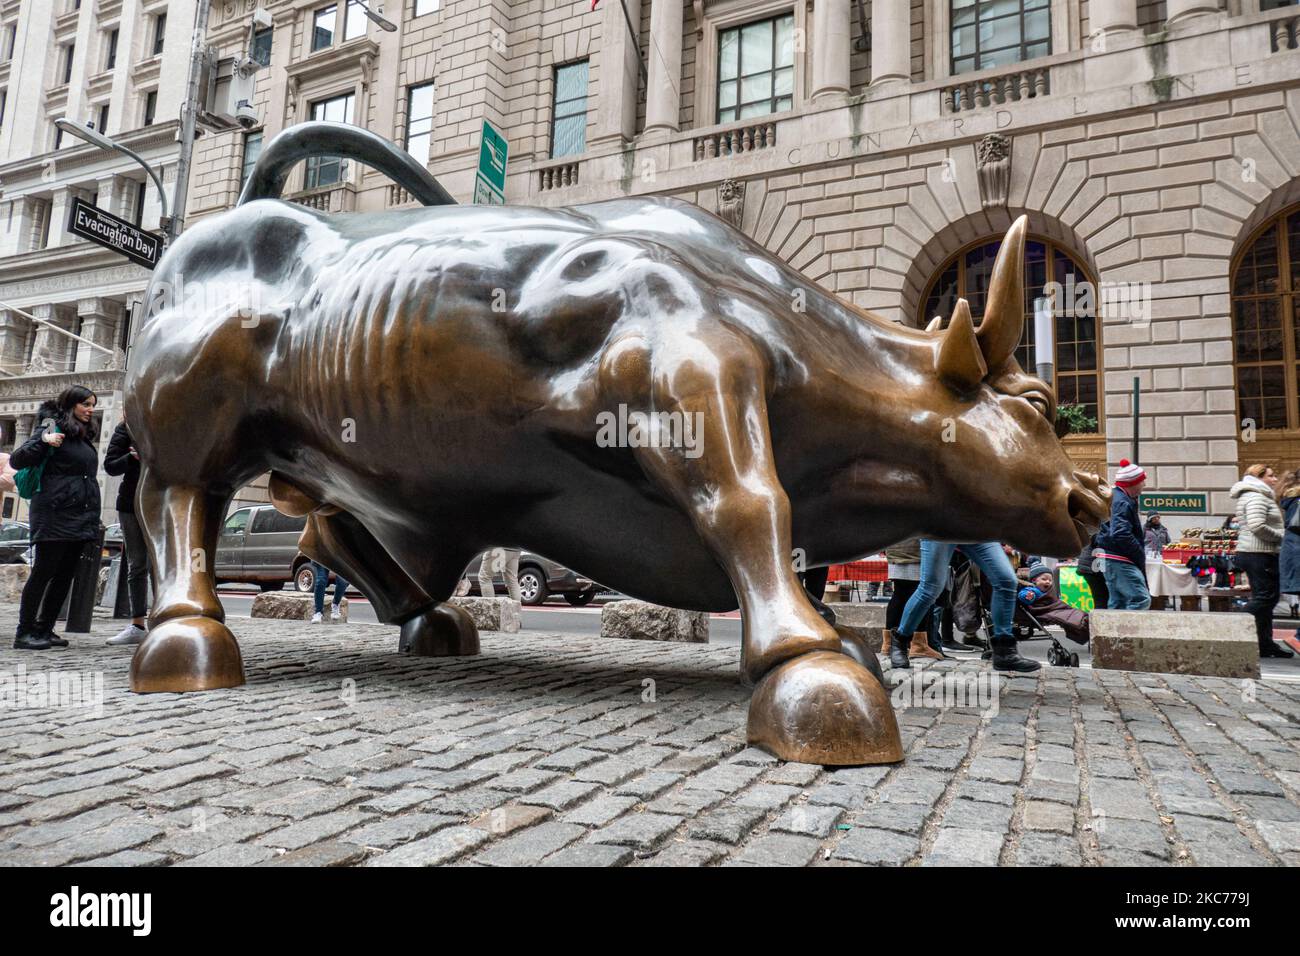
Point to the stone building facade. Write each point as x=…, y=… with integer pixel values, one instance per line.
x=1154, y=147
x=120, y=65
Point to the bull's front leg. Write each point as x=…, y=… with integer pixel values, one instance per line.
x=189, y=646
x=811, y=703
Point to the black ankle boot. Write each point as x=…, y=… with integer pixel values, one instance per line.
x=1007, y=658
x=31, y=642
x=1273, y=649
x=898, y=658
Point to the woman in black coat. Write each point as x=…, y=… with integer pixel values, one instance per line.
x=64, y=512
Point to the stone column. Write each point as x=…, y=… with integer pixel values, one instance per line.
x=1112, y=16
x=620, y=74
x=99, y=324
x=832, y=30
x=14, y=330
x=1180, y=11
x=663, y=93
x=23, y=425
x=891, y=41
x=59, y=218
x=50, y=350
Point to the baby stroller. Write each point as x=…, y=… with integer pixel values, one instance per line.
x=1025, y=627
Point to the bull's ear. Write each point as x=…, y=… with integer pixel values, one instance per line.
x=959, y=361
x=1004, y=311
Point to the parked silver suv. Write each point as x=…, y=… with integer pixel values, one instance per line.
x=260, y=546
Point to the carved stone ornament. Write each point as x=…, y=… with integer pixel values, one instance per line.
x=993, y=163
x=731, y=202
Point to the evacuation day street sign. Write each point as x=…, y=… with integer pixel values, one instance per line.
x=490, y=181
x=111, y=232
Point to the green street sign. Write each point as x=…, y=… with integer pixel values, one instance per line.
x=490, y=181
x=1174, y=502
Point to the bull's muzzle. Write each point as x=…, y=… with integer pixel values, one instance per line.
x=1089, y=504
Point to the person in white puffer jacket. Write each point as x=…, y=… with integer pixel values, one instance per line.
x=1259, y=539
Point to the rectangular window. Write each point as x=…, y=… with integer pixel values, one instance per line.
x=10, y=38
x=69, y=52
x=140, y=192
x=569, y=122
x=419, y=121
x=110, y=57
x=356, y=24
x=328, y=170
x=150, y=107
x=991, y=33
x=159, y=33
x=756, y=69
x=4, y=96
x=322, y=32
x=424, y=7
x=261, y=52
x=252, y=150
x=101, y=119
x=40, y=225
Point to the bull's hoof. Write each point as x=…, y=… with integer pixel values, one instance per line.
x=443, y=631
x=824, y=708
x=858, y=649
x=187, y=654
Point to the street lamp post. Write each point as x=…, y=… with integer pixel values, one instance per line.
x=82, y=131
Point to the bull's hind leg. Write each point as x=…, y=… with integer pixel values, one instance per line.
x=811, y=703
x=429, y=629
x=189, y=646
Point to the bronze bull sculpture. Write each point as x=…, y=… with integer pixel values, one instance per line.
x=427, y=383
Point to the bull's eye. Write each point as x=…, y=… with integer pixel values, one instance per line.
x=1041, y=403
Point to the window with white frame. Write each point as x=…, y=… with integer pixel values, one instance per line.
x=424, y=7
x=990, y=33
x=756, y=68
x=65, y=66
x=326, y=28
x=110, y=49
x=7, y=43
x=159, y=33
x=328, y=170
x=419, y=121
x=252, y=150
x=569, y=119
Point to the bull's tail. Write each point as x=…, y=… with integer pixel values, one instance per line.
x=319, y=138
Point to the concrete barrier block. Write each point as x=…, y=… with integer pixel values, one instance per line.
x=491, y=614
x=13, y=577
x=1211, y=645
x=640, y=621
x=291, y=606
x=865, y=621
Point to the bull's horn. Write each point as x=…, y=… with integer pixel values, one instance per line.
x=935, y=324
x=959, y=362
x=1004, y=312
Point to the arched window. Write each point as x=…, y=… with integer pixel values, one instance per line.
x=1265, y=323
x=966, y=275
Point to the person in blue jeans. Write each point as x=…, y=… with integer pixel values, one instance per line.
x=992, y=561
x=322, y=575
x=1121, y=543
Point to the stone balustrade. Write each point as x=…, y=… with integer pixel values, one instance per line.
x=1010, y=87
x=557, y=177
x=735, y=139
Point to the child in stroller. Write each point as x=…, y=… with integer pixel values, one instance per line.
x=1038, y=605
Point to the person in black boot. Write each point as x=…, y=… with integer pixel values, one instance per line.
x=64, y=511
x=1007, y=658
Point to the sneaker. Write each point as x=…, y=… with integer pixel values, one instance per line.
x=132, y=634
x=335, y=616
x=316, y=618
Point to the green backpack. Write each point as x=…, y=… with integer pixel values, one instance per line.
x=28, y=479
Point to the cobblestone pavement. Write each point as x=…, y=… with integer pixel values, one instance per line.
x=558, y=750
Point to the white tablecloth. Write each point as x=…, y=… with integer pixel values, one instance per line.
x=1166, y=579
